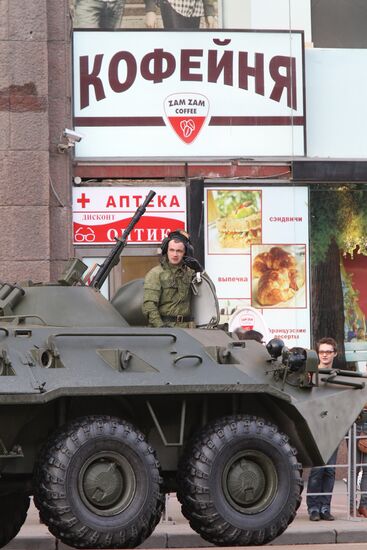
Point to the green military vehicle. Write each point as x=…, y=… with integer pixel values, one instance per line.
x=100, y=418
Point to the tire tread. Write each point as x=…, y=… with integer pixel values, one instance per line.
x=194, y=482
x=50, y=479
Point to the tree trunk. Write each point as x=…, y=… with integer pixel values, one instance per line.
x=327, y=300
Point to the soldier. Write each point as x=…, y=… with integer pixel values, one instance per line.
x=167, y=287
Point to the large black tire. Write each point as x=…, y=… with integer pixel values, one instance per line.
x=13, y=513
x=240, y=483
x=98, y=485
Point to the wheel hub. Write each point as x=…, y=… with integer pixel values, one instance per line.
x=107, y=483
x=249, y=481
x=245, y=482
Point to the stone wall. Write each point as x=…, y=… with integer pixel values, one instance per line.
x=35, y=106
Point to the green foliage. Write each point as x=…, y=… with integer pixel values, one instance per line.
x=339, y=213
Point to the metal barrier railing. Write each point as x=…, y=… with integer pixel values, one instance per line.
x=355, y=471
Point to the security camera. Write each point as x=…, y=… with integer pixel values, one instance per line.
x=68, y=139
x=72, y=136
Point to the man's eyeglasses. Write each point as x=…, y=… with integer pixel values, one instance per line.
x=327, y=352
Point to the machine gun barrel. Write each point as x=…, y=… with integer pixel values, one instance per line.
x=114, y=256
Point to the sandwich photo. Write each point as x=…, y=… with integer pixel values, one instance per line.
x=237, y=217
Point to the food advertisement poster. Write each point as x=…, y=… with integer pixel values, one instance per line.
x=353, y=273
x=257, y=254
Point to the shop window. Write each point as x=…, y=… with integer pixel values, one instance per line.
x=136, y=267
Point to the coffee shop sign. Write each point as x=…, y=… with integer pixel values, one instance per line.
x=222, y=93
x=232, y=67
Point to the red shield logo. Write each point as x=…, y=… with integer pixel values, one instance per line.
x=186, y=113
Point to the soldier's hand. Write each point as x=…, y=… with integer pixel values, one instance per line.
x=192, y=263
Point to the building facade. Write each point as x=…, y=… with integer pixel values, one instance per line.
x=43, y=171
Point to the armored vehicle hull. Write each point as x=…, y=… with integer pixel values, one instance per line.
x=100, y=418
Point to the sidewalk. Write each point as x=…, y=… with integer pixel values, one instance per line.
x=174, y=532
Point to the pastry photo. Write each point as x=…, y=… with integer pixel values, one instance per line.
x=234, y=220
x=278, y=276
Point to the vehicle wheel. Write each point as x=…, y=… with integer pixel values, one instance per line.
x=13, y=513
x=240, y=482
x=98, y=485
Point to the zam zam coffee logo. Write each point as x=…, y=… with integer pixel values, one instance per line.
x=186, y=114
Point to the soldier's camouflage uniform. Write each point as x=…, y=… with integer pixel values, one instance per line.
x=167, y=295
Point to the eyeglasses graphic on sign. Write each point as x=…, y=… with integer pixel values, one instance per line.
x=84, y=234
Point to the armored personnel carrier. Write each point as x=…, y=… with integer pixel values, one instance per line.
x=101, y=417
